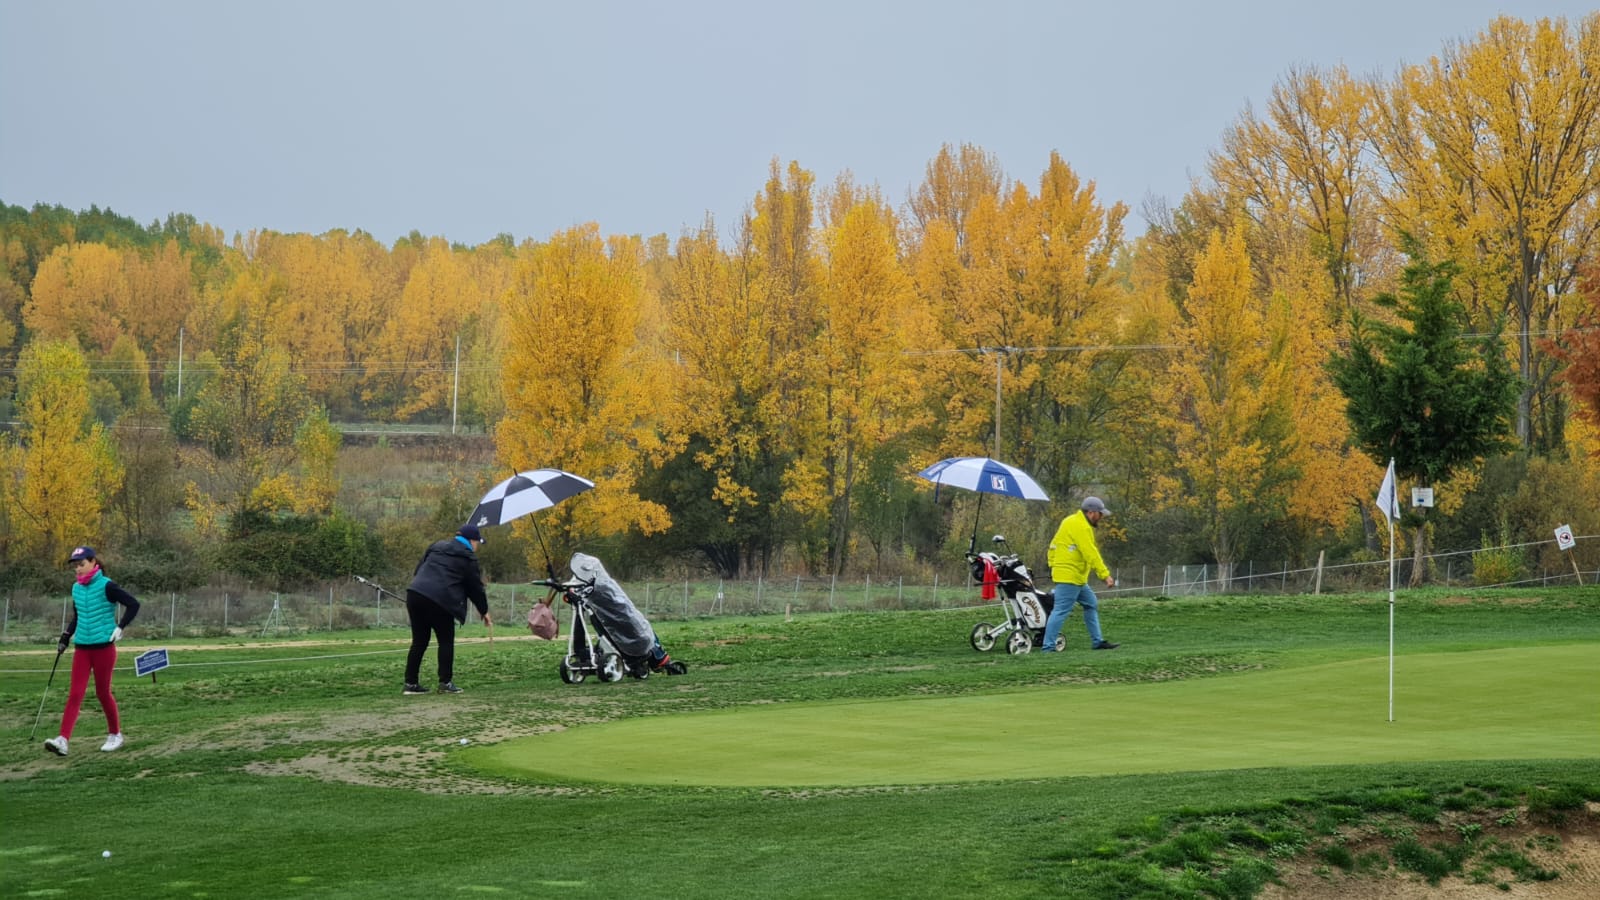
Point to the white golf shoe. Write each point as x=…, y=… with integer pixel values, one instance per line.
x=57, y=745
x=113, y=741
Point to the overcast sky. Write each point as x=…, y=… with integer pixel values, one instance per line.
x=474, y=117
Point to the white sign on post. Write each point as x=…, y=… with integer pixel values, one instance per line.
x=1422, y=496
x=1564, y=538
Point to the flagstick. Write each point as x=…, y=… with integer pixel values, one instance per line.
x=1391, y=618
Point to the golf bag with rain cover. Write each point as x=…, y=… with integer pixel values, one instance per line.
x=609, y=637
x=1026, y=607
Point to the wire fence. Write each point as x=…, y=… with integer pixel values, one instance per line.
x=346, y=605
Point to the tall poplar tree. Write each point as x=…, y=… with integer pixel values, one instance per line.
x=68, y=465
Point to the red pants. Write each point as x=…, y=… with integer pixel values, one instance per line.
x=101, y=661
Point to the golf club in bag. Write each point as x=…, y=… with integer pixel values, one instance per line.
x=61, y=647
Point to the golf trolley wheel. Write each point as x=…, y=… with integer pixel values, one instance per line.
x=570, y=675
x=981, y=638
x=1019, y=642
x=610, y=668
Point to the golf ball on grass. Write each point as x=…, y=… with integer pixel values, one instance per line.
x=463, y=742
x=106, y=854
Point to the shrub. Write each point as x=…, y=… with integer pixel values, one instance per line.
x=1497, y=563
x=286, y=550
x=158, y=566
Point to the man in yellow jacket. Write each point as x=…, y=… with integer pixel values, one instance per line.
x=1073, y=556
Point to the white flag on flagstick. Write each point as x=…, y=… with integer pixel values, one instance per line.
x=1388, y=498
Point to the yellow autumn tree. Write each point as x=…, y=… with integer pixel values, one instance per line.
x=717, y=321
x=777, y=277
x=867, y=392
x=957, y=182
x=1061, y=305
x=312, y=489
x=323, y=288
x=579, y=394
x=954, y=249
x=246, y=412
x=1222, y=403
x=414, y=357
x=1304, y=167
x=81, y=294
x=1491, y=147
x=160, y=294
x=68, y=467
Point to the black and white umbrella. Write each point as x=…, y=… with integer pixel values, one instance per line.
x=986, y=476
x=526, y=492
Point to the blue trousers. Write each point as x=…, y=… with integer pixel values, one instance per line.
x=1066, y=595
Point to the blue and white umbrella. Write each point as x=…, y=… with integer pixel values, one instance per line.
x=986, y=476
x=526, y=492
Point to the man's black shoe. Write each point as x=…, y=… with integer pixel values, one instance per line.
x=1106, y=645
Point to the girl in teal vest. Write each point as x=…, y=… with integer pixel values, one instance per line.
x=94, y=633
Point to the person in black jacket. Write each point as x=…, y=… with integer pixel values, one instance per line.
x=445, y=579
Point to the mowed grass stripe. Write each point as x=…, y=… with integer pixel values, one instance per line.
x=1514, y=703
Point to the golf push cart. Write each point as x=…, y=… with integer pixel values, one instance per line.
x=1026, y=608
x=609, y=637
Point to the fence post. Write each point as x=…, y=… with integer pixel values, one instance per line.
x=224, y=612
x=1285, y=587
x=686, y=596
x=6, y=621
x=172, y=620
x=758, y=593
x=867, y=592
x=936, y=603
x=1320, y=554
x=831, y=585
x=900, y=592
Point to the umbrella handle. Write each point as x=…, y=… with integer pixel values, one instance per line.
x=972, y=543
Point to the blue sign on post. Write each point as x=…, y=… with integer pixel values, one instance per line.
x=150, y=662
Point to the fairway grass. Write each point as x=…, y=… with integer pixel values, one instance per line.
x=1510, y=703
x=853, y=755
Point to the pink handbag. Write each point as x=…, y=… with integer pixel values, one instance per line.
x=542, y=622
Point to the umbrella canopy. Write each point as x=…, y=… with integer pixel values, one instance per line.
x=986, y=476
x=526, y=492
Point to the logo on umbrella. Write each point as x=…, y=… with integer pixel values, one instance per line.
x=998, y=484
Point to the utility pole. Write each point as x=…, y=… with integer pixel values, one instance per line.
x=455, y=389
x=999, y=360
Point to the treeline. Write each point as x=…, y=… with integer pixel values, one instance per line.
x=764, y=397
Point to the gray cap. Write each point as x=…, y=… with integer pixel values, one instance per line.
x=1094, y=504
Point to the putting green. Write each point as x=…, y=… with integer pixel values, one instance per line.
x=1524, y=703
